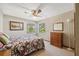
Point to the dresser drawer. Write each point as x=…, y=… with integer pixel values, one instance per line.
x=56, y=39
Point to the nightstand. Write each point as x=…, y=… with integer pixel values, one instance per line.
x=6, y=52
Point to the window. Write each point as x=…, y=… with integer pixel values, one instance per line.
x=42, y=27
x=30, y=28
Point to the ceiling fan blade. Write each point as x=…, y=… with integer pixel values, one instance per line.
x=20, y=5
x=27, y=10
x=39, y=9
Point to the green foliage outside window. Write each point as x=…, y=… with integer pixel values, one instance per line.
x=30, y=28
x=42, y=27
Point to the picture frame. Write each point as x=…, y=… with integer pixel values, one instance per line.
x=14, y=25
x=58, y=26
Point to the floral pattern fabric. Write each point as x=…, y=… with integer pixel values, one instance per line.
x=23, y=48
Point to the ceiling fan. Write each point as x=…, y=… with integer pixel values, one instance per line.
x=35, y=13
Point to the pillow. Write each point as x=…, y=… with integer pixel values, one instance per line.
x=4, y=39
x=4, y=34
x=1, y=45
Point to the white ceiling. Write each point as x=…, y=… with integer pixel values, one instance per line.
x=48, y=9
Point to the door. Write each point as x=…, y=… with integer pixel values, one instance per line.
x=76, y=25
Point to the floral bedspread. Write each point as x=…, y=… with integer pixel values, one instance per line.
x=23, y=48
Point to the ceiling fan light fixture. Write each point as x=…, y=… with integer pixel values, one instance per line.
x=39, y=10
x=35, y=13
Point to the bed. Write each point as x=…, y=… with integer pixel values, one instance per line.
x=22, y=45
x=26, y=47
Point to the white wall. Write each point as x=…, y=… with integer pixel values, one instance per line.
x=1, y=21
x=6, y=28
x=68, y=31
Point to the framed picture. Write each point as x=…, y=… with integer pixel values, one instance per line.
x=58, y=26
x=30, y=28
x=42, y=27
x=16, y=25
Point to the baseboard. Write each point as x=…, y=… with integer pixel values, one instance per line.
x=63, y=45
x=68, y=47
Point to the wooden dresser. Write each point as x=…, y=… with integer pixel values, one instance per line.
x=56, y=39
x=5, y=52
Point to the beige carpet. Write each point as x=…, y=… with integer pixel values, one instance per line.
x=51, y=50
